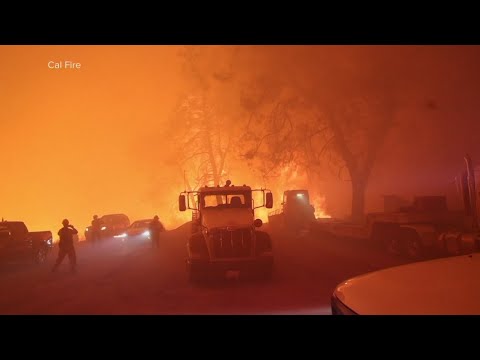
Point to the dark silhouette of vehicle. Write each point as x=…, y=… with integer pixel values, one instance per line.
x=112, y=225
x=137, y=231
x=425, y=229
x=296, y=213
x=16, y=242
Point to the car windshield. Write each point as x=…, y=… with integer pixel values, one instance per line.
x=141, y=224
x=114, y=219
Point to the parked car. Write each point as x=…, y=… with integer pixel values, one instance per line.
x=447, y=286
x=137, y=231
x=112, y=224
x=16, y=242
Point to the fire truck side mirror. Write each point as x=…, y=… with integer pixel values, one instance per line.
x=182, y=206
x=269, y=200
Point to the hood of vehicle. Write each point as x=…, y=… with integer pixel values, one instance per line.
x=449, y=286
x=214, y=218
x=136, y=231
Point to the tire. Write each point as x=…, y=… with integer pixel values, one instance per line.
x=387, y=236
x=412, y=245
x=393, y=246
x=40, y=255
x=452, y=245
x=264, y=241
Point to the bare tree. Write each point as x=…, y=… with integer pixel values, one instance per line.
x=202, y=141
x=202, y=125
x=354, y=92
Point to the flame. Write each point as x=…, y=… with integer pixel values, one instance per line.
x=320, y=208
x=175, y=217
x=262, y=214
x=290, y=179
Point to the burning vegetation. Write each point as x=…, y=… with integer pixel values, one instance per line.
x=335, y=121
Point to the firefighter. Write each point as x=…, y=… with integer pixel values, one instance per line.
x=96, y=229
x=65, y=246
x=155, y=228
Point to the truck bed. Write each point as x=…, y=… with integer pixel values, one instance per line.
x=341, y=228
x=447, y=218
x=443, y=220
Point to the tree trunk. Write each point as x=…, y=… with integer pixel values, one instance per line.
x=359, y=185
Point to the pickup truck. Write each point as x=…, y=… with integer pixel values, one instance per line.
x=16, y=242
x=112, y=225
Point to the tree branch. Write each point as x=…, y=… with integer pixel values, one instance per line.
x=340, y=141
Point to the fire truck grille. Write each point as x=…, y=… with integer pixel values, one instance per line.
x=232, y=243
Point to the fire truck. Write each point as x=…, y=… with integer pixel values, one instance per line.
x=225, y=238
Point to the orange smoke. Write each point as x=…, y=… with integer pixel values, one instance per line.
x=320, y=209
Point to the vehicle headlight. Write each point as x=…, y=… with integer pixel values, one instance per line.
x=124, y=235
x=146, y=233
x=104, y=228
x=339, y=308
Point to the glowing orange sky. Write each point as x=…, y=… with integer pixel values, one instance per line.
x=80, y=142
x=66, y=136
